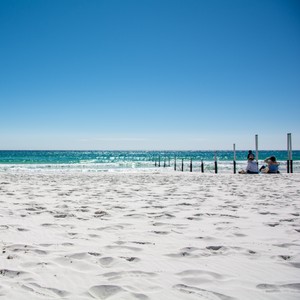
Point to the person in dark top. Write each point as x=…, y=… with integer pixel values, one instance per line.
x=272, y=167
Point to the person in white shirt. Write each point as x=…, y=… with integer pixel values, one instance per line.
x=252, y=167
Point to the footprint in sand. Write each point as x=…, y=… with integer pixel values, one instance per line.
x=94, y=253
x=120, y=247
x=104, y=291
x=201, y=293
x=278, y=288
x=45, y=291
x=214, y=248
x=22, y=229
x=11, y=273
x=63, y=216
x=273, y=224
x=200, y=273
x=295, y=264
x=130, y=258
x=200, y=276
x=106, y=261
x=161, y=224
x=49, y=225
x=100, y=214
x=130, y=274
x=181, y=254
x=142, y=243
x=185, y=252
x=79, y=256
x=78, y=262
x=160, y=232
x=3, y=227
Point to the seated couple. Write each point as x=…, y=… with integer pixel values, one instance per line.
x=252, y=166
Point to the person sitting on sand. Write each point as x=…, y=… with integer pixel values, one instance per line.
x=252, y=167
x=272, y=166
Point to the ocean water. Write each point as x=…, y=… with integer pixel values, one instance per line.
x=100, y=161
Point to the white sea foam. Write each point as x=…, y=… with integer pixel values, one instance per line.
x=125, y=166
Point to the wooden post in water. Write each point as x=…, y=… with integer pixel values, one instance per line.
x=234, y=160
x=191, y=165
x=182, y=165
x=216, y=163
x=159, y=161
x=290, y=154
x=174, y=163
x=169, y=161
x=256, y=148
x=164, y=162
x=202, y=166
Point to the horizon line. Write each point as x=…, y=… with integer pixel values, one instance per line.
x=144, y=150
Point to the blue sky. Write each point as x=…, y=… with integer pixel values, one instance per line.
x=149, y=74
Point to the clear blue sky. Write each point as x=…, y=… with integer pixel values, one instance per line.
x=149, y=74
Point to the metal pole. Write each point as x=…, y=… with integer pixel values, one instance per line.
x=256, y=147
x=291, y=154
x=234, y=159
x=288, y=154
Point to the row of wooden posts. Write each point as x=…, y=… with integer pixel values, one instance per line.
x=158, y=162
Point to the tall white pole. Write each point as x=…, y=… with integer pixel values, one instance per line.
x=288, y=154
x=234, y=153
x=256, y=147
x=234, y=159
x=291, y=153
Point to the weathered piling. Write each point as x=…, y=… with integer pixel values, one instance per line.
x=159, y=161
x=234, y=159
x=290, y=154
x=256, y=147
x=175, y=163
x=202, y=166
x=182, y=166
x=216, y=163
x=191, y=165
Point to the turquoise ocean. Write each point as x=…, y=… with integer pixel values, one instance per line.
x=104, y=161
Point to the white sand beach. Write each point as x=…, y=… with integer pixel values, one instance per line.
x=149, y=235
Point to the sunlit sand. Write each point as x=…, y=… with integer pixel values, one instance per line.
x=149, y=236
